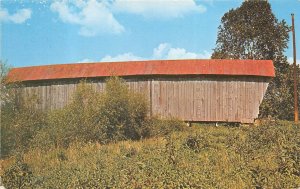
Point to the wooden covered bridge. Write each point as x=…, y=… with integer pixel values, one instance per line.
x=192, y=90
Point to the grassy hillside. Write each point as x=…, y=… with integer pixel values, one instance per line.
x=106, y=140
x=203, y=156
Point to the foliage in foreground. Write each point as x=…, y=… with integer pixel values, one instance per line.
x=114, y=115
x=202, y=157
x=20, y=122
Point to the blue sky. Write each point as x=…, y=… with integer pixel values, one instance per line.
x=42, y=32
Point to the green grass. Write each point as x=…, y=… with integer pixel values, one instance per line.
x=267, y=156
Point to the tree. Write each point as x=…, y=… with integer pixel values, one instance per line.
x=251, y=31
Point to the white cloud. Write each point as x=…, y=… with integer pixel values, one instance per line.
x=161, y=50
x=18, y=18
x=93, y=17
x=164, y=51
x=180, y=53
x=98, y=16
x=121, y=57
x=158, y=8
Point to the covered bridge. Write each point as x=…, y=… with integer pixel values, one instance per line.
x=192, y=90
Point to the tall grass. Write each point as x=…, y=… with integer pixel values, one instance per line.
x=106, y=140
x=199, y=157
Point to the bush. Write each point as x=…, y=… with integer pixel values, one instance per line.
x=78, y=121
x=117, y=114
x=20, y=121
x=122, y=113
x=19, y=117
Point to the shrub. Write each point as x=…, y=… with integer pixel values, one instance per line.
x=78, y=121
x=122, y=112
x=117, y=114
x=20, y=121
x=19, y=117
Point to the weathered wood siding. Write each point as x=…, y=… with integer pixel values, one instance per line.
x=202, y=98
x=209, y=99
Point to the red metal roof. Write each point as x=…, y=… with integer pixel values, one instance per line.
x=138, y=68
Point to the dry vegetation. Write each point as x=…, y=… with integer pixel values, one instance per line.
x=199, y=157
x=107, y=141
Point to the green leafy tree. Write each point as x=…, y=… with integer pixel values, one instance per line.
x=251, y=31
